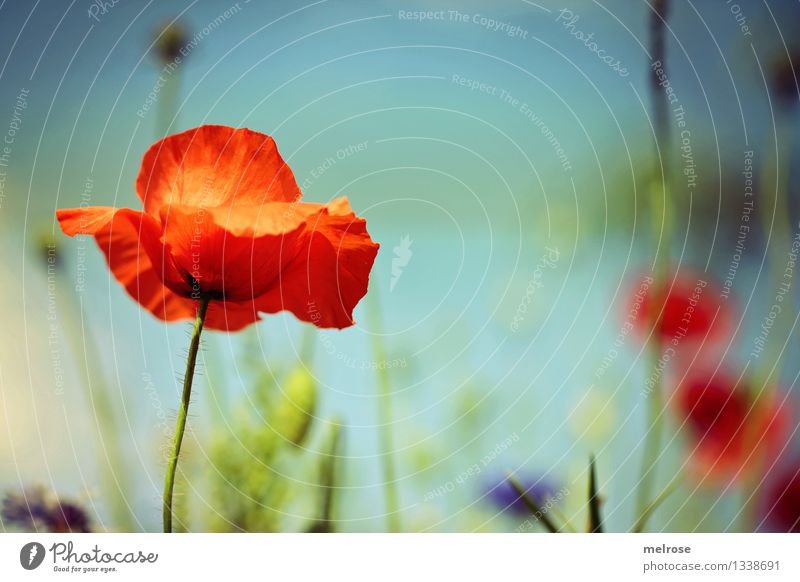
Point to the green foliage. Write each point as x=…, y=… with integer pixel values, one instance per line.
x=327, y=482
x=246, y=489
x=295, y=406
x=258, y=458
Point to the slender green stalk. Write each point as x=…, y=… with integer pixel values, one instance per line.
x=385, y=416
x=327, y=482
x=172, y=464
x=641, y=521
x=560, y=516
x=655, y=417
x=652, y=446
x=167, y=108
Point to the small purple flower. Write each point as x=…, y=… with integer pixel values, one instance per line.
x=66, y=516
x=502, y=494
x=38, y=510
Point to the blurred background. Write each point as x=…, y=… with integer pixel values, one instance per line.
x=508, y=157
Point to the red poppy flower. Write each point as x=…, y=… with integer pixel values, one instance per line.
x=223, y=220
x=690, y=307
x=729, y=430
x=782, y=502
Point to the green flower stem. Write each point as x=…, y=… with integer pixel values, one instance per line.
x=172, y=464
x=168, y=101
x=655, y=399
x=652, y=442
x=385, y=414
x=652, y=445
x=641, y=521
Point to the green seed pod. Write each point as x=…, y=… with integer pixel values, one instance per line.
x=295, y=406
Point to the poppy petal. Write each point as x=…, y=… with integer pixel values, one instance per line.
x=231, y=315
x=213, y=166
x=730, y=432
x=223, y=264
x=130, y=242
x=330, y=273
x=223, y=220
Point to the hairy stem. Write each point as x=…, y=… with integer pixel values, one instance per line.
x=172, y=464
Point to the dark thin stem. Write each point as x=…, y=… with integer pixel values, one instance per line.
x=652, y=444
x=172, y=465
x=658, y=20
x=595, y=521
x=536, y=511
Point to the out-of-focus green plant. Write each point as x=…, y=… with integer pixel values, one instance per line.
x=103, y=406
x=295, y=406
x=250, y=484
x=325, y=523
x=385, y=429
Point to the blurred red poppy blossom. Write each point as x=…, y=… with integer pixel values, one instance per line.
x=729, y=431
x=223, y=221
x=691, y=308
x=782, y=502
